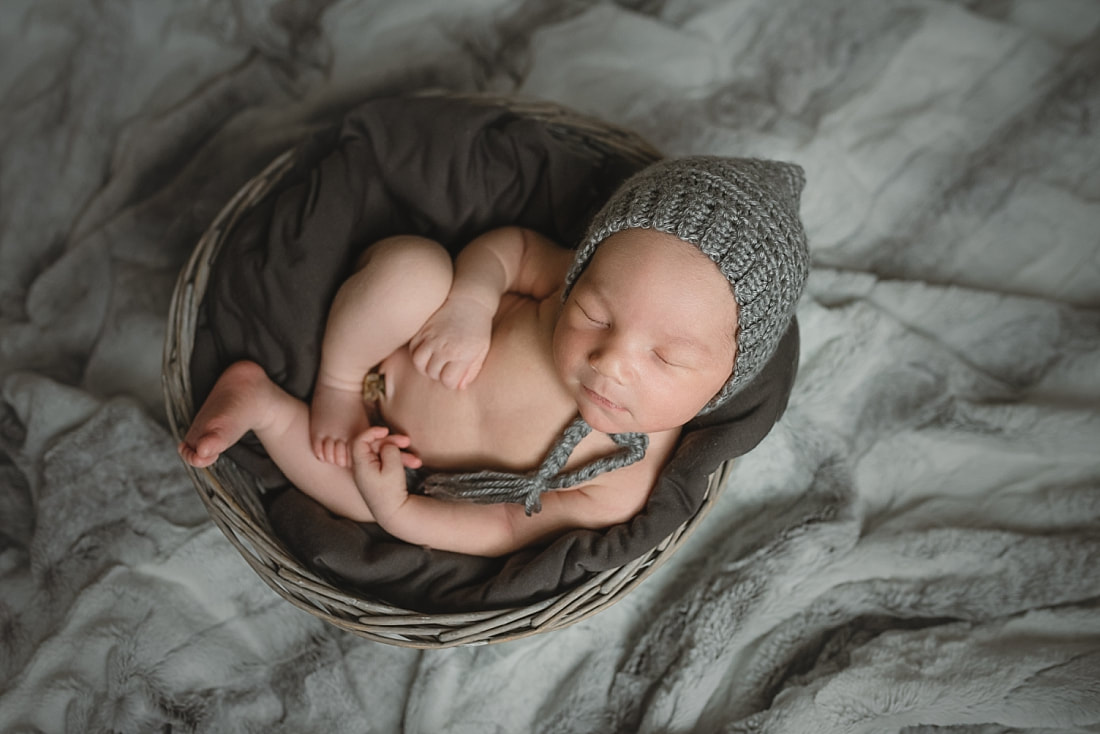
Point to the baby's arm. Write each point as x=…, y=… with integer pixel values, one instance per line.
x=451, y=347
x=496, y=529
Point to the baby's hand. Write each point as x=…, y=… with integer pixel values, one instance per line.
x=376, y=438
x=452, y=345
x=378, y=467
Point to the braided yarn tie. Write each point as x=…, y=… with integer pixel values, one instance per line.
x=487, y=487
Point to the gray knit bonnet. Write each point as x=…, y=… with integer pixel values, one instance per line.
x=743, y=214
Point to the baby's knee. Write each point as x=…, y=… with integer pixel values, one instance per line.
x=411, y=257
x=408, y=252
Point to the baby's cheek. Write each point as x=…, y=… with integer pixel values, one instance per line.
x=569, y=347
x=558, y=348
x=697, y=392
x=663, y=405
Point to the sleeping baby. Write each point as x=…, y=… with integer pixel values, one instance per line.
x=568, y=373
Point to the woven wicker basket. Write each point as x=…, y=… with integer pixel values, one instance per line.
x=232, y=496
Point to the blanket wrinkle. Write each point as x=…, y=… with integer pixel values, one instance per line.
x=156, y=158
x=83, y=464
x=16, y=515
x=1053, y=566
x=911, y=663
x=1047, y=327
x=734, y=606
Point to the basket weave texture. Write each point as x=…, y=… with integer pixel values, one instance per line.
x=232, y=496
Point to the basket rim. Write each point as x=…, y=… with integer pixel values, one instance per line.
x=242, y=520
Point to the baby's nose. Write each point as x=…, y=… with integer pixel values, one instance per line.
x=613, y=363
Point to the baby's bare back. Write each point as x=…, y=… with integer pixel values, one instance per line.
x=505, y=419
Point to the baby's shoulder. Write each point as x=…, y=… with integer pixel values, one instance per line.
x=616, y=496
x=643, y=472
x=526, y=318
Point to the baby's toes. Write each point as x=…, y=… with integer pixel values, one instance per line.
x=193, y=457
x=327, y=451
x=318, y=444
x=186, y=453
x=341, y=454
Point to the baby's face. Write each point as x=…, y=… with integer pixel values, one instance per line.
x=646, y=337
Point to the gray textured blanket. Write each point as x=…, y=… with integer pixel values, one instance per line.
x=914, y=548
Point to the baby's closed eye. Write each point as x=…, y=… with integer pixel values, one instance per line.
x=670, y=361
x=593, y=319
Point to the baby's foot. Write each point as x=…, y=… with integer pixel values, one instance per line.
x=336, y=417
x=234, y=407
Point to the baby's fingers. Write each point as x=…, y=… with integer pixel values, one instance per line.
x=421, y=353
x=410, y=460
x=375, y=466
x=391, y=463
x=399, y=440
x=374, y=433
x=428, y=361
x=379, y=477
x=452, y=374
x=365, y=461
x=471, y=373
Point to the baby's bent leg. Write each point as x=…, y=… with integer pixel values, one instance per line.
x=401, y=281
x=245, y=399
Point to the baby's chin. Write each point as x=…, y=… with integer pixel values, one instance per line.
x=607, y=420
x=604, y=423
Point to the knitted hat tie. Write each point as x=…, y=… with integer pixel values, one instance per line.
x=487, y=487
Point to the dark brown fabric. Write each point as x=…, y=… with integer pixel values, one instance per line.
x=448, y=169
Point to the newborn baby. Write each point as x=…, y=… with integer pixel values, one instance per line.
x=552, y=368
